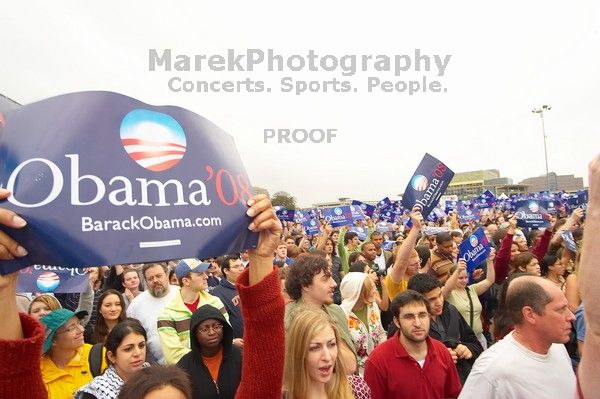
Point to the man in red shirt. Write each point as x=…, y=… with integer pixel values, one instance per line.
x=410, y=364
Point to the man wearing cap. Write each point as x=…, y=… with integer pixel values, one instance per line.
x=146, y=306
x=174, y=319
x=65, y=363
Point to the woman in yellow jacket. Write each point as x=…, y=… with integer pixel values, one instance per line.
x=65, y=363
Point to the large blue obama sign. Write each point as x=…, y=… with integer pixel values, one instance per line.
x=103, y=178
x=428, y=184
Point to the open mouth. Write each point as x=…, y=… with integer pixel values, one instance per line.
x=326, y=370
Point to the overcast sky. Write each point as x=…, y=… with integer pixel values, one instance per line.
x=505, y=59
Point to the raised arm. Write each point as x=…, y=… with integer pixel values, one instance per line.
x=503, y=258
x=262, y=309
x=323, y=235
x=21, y=337
x=451, y=282
x=408, y=245
x=589, y=368
x=490, y=277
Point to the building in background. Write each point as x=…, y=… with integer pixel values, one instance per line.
x=568, y=183
x=471, y=184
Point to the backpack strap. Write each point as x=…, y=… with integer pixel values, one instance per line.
x=95, y=359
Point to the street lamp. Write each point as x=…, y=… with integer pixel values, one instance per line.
x=540, y=111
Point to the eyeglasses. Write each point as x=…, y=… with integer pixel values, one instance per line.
x=413, y=317
x=72, y=328
x=215, y=327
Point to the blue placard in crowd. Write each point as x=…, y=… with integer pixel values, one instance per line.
x=384, y=203
x=104, y=179
x=52, y=279
x=567, y=237
x=387, y=215
x=532, y=213
x=286, y=215
x=366, y=208
x=383, y=227
x=465, y=215
x=357, y=213
x=428, y=184
x=362, y=232
x=338, y=216
x=388, y=245
x=434, y=230
x=553, y=206
x=475, y=249
x=311, y=226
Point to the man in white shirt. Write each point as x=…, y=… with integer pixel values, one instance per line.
x=146, y=306
x=531, y=361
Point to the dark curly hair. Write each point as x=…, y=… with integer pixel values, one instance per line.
x=301, y=274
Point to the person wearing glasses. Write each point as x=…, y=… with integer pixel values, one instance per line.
x=214, y=363
x=65, y=361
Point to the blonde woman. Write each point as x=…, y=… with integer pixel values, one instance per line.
x=312, y=366
x=41, y=305
x=364, y=318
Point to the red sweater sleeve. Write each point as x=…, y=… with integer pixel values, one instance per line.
x=20, y=363
x=542, y=246
x=503, y=259
x=264, y=338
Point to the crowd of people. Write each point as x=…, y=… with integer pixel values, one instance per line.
x=323, y=316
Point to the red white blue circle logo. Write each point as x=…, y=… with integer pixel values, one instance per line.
x=338, y=211
x=419, y=182
x=48, y=282
x=534, y=207
x=473, y=240
x=154, y=140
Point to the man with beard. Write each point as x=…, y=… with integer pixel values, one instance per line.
x=146, y=306
x=425, y=364
x=447, y=324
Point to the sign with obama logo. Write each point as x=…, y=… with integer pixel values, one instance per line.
x=102, y=179
x=428, y=184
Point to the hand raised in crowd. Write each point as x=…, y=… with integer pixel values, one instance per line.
x=9, y=248
x=416, y=218
x=477, y=274
x=266, y=223
x=576, y=215
x=10, y=328
x=461, y=266
x=512, y=225
x=462, y=352
x=492, y=255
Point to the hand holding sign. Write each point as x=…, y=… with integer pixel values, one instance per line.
x=491, y=256
x=416, y=218
x=9, y=248
x=265, y=223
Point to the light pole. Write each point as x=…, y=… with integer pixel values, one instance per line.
x=540, y=111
